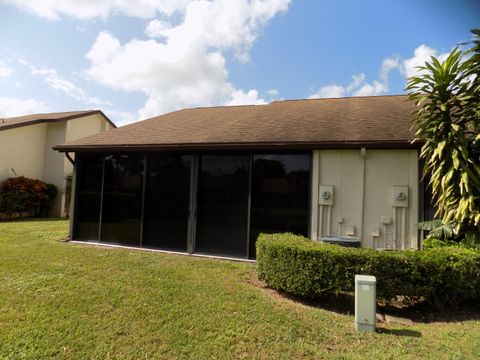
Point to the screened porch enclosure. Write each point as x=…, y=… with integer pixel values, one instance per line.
x=213, y=203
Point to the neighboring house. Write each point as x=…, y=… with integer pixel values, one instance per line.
x=209, y=180
x=26, y=144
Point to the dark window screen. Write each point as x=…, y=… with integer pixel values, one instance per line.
x=223, y=205
x=89, y=197
x=280, y=193
x=122, y=199
x=167, y=202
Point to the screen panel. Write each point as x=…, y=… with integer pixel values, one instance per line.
x=122, y=199
x=222, y=219
x=87, y=214
x=167, y=202
x=280, y=195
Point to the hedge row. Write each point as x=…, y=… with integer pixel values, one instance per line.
x=310, y=269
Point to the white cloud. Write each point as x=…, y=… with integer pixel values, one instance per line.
x=328, y=91
x=357, y=81
x=239, y=97
x=156, y=28
x=359, y=87
x=422, y=54
x=87, y=9
x=62, y=85
x=388, y=65
x=375, y=88
x=121, y=118
x=183, y=64
x=5, y=71
x=273, y=92
x=10, y=106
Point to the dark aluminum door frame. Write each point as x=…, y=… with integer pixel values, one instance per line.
x=192, y=211
x=249, y=209
x=144, y=190
x=244, y=160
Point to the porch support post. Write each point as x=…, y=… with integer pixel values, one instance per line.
x=73, y=201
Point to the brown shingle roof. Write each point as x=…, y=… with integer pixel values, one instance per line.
x=368, y=121
x=25, y=120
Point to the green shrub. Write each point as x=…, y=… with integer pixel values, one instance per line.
x=20, y=196
x=310, y=269
x=46, y=204
x=434, y=243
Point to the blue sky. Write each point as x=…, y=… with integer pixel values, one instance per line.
x=138, y=59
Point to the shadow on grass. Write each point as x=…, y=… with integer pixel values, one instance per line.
x=420, y=312
x=31, y=219
x=399, y=332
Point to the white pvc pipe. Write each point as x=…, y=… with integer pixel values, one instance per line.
x=320, y=221
x=385, y=235
x=329, y=216
x=394, y=225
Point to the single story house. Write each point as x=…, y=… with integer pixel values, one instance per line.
x=210, y=180
x=26, y=144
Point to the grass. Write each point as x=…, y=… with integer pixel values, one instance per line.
x=68, y=301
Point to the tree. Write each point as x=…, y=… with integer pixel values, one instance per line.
x=447, y=121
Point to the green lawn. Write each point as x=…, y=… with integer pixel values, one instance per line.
x=63, y=300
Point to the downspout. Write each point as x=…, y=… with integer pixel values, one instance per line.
x=69, y=158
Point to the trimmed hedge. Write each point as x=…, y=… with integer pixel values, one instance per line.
x=310, y=269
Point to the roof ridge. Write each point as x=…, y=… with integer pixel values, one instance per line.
x=341, y=98
x=31, y=119
x=224, y=106
x=288, y=100
x=51, y=113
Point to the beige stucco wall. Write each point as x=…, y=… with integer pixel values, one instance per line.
x=54, y=168
x=23, y=150
x=74, y=129
x=28, y=150
x=80, y=128
x=365, y=185
x=85, y=126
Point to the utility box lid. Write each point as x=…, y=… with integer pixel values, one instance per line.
x=365, y=279
x=339, y=238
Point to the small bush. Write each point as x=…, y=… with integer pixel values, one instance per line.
x=310, y=269
x=21, y=196
x=434, y=243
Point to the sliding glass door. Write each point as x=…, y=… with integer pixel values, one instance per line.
x=167, y=201
x=222, y=220
x=215, y=204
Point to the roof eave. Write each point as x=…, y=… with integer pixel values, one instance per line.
x=66, y=118
x=379, y=144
